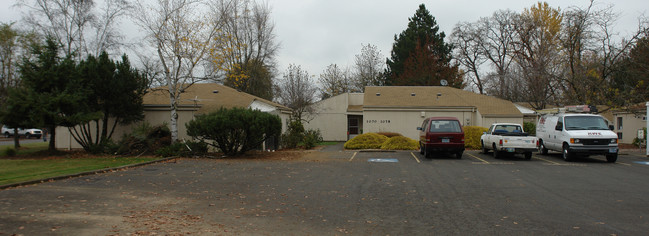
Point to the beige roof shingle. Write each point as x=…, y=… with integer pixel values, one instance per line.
x=427, y=97
x=203, y=94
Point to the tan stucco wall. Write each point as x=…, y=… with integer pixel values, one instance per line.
x=330, y=117
x=630, y=126
x=406, y=122
x=65, y=141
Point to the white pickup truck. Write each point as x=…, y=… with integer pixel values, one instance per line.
x=508, y=138
x=28, y=133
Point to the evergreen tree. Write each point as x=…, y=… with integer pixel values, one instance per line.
x=53, y=88
x=115, y=92
x=422, y=30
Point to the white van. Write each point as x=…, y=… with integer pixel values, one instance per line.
x=573, y=134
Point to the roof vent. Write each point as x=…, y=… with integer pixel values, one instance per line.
x=412, y=94
x=215, y=91
x=378, y=94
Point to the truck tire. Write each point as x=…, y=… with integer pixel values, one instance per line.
x=484, y=149
x=7, y=135
x=566, y=154
x=528, y=155
x=28, y=136
x=496, y=152
x=421, y=149
x=611, y=158
x=542, y=148
x=458, y=155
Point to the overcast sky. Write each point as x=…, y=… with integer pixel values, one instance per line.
x=316, y=33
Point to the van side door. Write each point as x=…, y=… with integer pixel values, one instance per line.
x=556, y=134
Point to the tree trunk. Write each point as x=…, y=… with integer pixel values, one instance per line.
x=174, y=116
x=16, y=139
x=52, y=146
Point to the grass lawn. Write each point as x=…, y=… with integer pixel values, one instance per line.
x=25, y=148
x=20, y=170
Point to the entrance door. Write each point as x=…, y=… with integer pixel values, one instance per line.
x=354, y=126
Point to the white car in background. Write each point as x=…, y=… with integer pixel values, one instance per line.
x=27, y=133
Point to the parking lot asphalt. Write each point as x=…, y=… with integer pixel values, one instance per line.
x=335, y=192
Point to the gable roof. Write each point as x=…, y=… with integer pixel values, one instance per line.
x=427, y=97
x=203, y=95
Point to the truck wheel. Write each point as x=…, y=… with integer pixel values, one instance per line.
x=611, y=158
x=7, y=135
x=421, y=149
x=496, y=153
x=542, y=148
x=484, y=149
x=458, y=155
x=528, y=155
x=567, y=156
x=28, y=136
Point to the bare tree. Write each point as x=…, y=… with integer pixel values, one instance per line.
x=77, y=25
x=334, y=81
x=296, y=91
x=368, y=66
x=249, y=40
x=467, y=39
x=185, y=38
x=497, y=45
x=536, y=50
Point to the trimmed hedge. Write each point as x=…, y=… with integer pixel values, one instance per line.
x=389, y=134
x=472, y=136
x=400, y=143
x=366, y=141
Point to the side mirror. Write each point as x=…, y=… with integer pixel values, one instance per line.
x=418, y=128
x=484, y=132
x=611, y=127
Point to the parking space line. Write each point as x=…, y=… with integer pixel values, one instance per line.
x=551, y=162
x=416, y=159
x=622, y=163
x=480, y=159
x=351, y=159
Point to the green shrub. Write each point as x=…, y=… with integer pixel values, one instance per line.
x=180, y=149
x=530, y=128
x=235, y=131
x=144, y=139
x=389, y=134
x=366, y=141
x=312, y=138
x=472, y=136
x=294, y=135
x=400, y=143
x=9, y=152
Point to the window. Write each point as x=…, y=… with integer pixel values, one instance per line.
x=585, y=123
x=619, y=123
x=445, y=126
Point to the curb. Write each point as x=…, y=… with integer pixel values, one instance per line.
x=93, y=172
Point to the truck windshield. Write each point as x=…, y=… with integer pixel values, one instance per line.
x=445, y=126
x=585, y=123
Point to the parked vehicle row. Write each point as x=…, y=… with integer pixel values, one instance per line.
x=27, y=133
x=572, y=134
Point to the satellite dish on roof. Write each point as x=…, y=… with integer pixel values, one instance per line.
x=443, y=82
